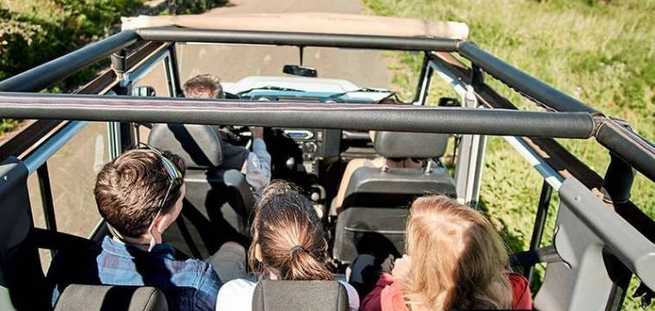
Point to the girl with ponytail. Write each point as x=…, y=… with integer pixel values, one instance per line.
x=288, y=244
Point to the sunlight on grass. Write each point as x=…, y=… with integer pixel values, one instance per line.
x=599, y=53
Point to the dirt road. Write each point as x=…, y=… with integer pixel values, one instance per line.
x=74, y=167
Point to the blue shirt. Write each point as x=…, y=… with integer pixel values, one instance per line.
x=188, y=284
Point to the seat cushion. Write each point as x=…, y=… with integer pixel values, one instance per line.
x=299, y=295
x=101, y=297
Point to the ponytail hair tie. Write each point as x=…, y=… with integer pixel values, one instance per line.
x=297, y=248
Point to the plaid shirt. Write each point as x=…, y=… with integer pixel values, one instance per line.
x=189, y=285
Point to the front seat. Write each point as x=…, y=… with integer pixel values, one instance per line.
x=102, y=297
x=217, y=203
x=277, y=295
x=376, y=202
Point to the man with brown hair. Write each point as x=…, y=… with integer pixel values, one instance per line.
x=256, y=165
x=203, y=86
x=139, y=194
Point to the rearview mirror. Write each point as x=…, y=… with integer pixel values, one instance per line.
x=144, y=91
x=300, y=71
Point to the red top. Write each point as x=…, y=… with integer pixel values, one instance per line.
x=387, y=295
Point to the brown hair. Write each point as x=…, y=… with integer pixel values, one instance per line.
x=203, y=86
x=290, y=236
x=129, y=190
x=458, y=260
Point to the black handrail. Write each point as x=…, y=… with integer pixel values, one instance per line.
x=299, y=39
x=298, y=114
x=58, y=69
x=521, y=81
x=616, y=137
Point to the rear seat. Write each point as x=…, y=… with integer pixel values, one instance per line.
x=277, y=295
x=101, y=297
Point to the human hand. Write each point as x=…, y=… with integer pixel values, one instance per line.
x=257, y=132
x=402, y=267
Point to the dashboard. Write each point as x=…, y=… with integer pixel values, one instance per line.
x=316, y=143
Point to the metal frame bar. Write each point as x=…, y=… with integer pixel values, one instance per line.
x=40, y=156
x=46, y=200
x=423, y=84
x=299, y=39
x=520, y=81
x=299, y=114
x=618, y=181
x=539, y=223
x=613, y=135
x=628, y=145
x=551, y=176
x=58, y=69
x=175, y=70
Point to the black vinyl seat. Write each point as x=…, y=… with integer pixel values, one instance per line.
x=376, y=203
x=103, y=297
x=217, y=203
x=300, y=295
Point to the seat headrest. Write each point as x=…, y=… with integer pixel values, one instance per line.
x=198, y=145
x=410, y=145
x=298, y=295
x=101, y=297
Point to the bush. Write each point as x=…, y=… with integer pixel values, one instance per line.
x=31, y=38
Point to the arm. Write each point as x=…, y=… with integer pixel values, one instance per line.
x=257, y=167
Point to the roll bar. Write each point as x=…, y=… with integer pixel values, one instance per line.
x=619, y=139
x=299, y=114
x=58, y=69
x=299, y=39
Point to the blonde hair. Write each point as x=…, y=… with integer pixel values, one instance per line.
x=458, y=260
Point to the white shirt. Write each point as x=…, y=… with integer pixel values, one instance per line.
x=237, y=295
x=257, y=166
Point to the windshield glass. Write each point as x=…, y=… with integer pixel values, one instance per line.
x=343, y=73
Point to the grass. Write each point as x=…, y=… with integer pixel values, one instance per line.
x=599, y=53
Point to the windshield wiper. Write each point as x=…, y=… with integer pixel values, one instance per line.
x=270, y=88
x=369, y=90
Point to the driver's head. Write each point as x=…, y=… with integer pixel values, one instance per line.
x=140, y=193
x=203, y=86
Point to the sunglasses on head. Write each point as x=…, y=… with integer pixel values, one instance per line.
x=174, y=175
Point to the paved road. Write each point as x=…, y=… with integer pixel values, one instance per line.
x=231, y=63
x=74, y=167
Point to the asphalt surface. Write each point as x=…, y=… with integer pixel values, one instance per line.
x=74, y=167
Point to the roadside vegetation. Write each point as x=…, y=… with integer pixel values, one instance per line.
x=600, y=52
x=35, y=31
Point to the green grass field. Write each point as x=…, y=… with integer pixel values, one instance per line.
x=599, y=53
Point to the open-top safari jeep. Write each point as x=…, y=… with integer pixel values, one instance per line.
x=602, y=239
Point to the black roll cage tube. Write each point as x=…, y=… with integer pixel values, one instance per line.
x=612, y=134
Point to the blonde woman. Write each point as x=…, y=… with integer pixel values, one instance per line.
x=455, y=260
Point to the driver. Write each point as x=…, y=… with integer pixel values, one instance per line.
x=256, y=165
